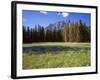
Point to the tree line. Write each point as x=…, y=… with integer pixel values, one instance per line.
x=71, y=32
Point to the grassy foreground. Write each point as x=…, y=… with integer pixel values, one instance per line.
x=56, y=55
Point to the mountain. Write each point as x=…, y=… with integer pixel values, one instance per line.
x=57, y=25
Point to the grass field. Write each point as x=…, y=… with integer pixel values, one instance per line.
x=56, y=55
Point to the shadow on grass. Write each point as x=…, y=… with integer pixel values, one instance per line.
x=53, y=49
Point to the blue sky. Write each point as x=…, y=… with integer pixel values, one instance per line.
x=44, y=18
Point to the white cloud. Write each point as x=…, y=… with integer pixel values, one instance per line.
x=64, y=14
x=43, y=12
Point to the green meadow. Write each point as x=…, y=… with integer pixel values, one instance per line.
x=55, y=55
